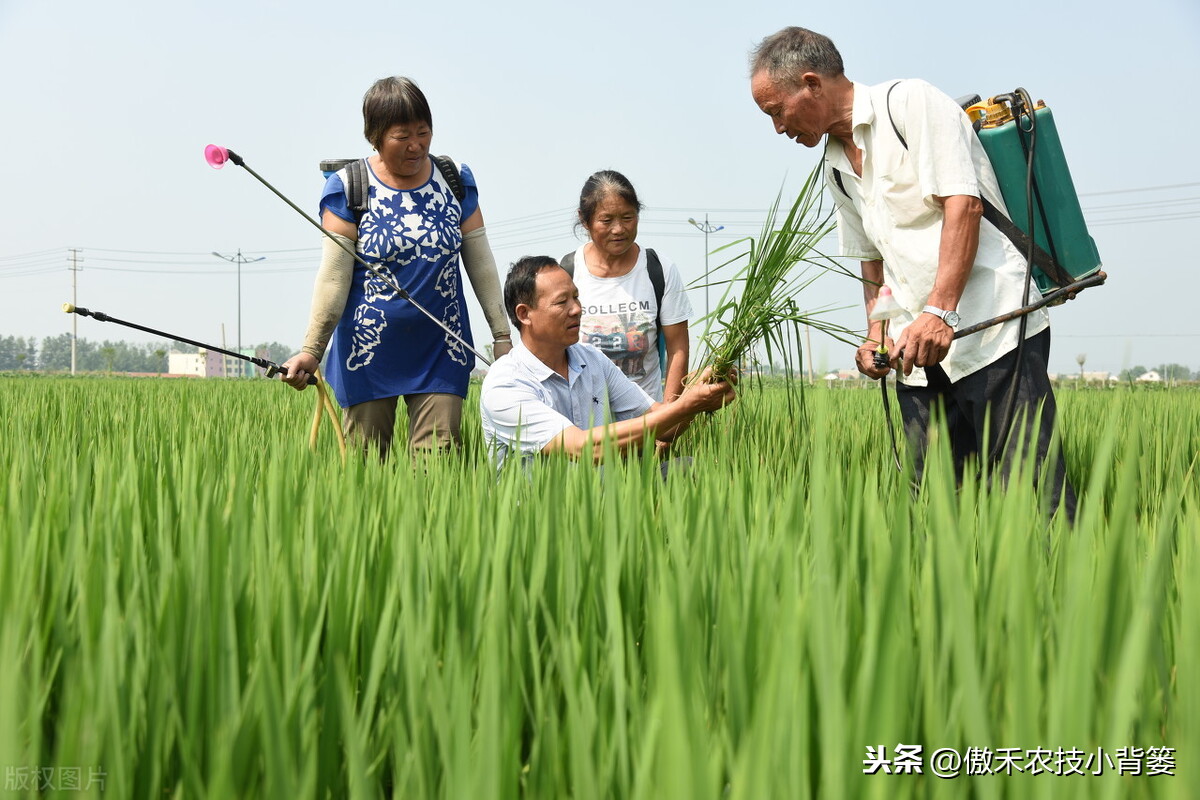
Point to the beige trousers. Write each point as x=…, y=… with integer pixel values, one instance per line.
x=434, y=423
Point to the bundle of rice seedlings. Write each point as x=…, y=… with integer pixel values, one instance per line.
x=765, y=310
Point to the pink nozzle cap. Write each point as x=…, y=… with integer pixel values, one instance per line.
x=885, y=307
x=216, y=156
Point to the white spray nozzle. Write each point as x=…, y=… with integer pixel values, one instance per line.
x=885, y=307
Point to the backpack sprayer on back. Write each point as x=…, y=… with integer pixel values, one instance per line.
x=1044, y=222
x=1022, y=143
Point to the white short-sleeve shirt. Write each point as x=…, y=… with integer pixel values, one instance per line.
x=620, y=316
x=525, y=404
x=890, y=213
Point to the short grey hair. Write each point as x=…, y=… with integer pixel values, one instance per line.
x=791, y=52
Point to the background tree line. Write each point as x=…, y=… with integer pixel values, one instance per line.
x=54, y=354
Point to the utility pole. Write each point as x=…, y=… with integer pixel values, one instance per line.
x=239, y=259
x=75, y=268
x=707, y=230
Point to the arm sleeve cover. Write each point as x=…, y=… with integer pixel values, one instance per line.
x=480, y=265
x=329, y=295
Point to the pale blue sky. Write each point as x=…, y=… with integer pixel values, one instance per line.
x=108, y=107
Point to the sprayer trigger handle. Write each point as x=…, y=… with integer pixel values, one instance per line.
x=312, y=379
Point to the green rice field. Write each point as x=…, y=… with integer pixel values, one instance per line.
x=195, y=605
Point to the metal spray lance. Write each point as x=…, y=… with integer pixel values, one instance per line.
x=216, y=156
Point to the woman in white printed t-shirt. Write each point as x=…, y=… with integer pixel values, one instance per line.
x=616, y=279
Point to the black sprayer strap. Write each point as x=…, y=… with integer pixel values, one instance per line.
x=837, y=178
x=450, y=172
x=888, y=101
x=1020, y=240
x=357, y=192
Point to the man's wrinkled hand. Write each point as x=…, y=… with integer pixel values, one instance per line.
x=924, y=343
x=864, y=358
x=705, y=396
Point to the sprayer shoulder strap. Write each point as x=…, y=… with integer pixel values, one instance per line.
x=453, y=177
x=357, y=182
x=1041, y=259
x=1020, y=240
x=653, y=268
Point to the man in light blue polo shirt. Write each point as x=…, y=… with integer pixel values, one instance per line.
x=552, y=394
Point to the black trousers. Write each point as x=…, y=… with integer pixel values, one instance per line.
x=982, y=397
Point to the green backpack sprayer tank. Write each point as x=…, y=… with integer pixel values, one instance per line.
x=1012, y=136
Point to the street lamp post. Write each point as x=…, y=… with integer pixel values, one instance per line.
x=238, y=259
x=707, y=230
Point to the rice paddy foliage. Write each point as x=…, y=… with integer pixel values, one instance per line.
x=195, y=603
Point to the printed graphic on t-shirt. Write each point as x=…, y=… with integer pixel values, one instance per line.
x=622, y=332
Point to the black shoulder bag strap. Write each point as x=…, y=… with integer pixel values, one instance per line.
x=654, y=267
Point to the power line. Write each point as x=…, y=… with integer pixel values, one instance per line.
x=1146, y=204
x=556, y=225
x=1141, y=189
x=36, y=253
x=1058, y=335
x=39, y=271
x=1131, y=220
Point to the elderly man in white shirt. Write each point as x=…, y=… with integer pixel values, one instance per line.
x=552, y=394
x=907, y=171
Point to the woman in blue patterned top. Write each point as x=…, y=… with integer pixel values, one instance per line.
x=417, y=231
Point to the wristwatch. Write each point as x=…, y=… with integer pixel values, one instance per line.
x=951, y=318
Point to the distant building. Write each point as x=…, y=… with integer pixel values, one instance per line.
x=186, y=364
x=1149, y=377
x=841, y=375
x=211, y=364
x=1087, y=377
